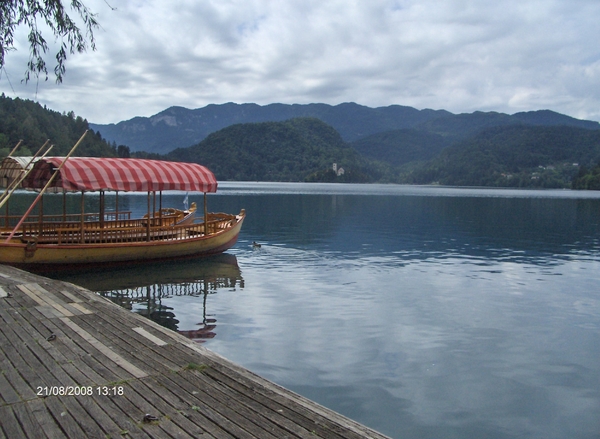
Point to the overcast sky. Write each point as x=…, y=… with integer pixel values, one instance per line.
x=458, y=55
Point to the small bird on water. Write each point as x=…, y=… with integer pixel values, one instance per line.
x=255, y=244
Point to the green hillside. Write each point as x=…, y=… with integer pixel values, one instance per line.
x=272, y=151
x=399, y=147
x=29, y=121
x=513, y=156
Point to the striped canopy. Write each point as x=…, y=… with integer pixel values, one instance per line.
x=92, y=174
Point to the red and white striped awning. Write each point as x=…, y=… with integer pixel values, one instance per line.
x=139, y=175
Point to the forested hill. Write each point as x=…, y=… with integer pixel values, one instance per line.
x=273, y=151
x=29, y=121
x=304, y=149
x=513, y=156
x=400, y=147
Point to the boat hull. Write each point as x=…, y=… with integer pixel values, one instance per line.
x=20, y=255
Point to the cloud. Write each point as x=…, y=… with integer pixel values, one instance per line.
x=503, y=55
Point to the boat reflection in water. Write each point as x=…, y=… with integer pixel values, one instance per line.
x=143, y=288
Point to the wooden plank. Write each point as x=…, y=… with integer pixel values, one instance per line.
x=80, y=308
x=260, y=423
x=47, y=360
x=77, y=368
x=107, y=372
x=272, y=411
x=97, y=412
x=216, y=412
x=177, y=408
x=7, y=393
x=45, y=298
x=74, y=310
x=15, y=299
x=64, y=418
x=154, y=339
x=81, y=417
x=116, y=358
x=21, y=334
x=163, y=426
x=128, y=417
x=44, y=419
x=49, y=298
x=72, y=297
x=28, y=424
x=3, y=293
x=10, y=424
x=39, y=295
x=119, y=334
x=18, y=372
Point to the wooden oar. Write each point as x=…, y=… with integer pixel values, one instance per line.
x=15, y=148
x=50, y=180
x=15, y=183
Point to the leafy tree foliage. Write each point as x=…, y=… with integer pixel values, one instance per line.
x=29, y=121
x=123, y=151
x=53, y=14
x=587, y=178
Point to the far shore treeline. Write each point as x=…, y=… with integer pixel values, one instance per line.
x=386, y=145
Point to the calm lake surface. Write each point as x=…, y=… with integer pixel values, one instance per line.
x=422, y=312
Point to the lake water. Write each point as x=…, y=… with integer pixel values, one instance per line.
x=422, y=312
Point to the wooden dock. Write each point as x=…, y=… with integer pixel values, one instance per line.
x=75, y=365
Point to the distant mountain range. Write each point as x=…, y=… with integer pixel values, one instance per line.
x=178, y=127
x=390, y=144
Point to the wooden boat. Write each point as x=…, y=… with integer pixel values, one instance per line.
x=112, y=237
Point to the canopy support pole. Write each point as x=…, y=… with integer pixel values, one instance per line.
x=149, y=219
x=15, y=148
x=82, y=222
x=153, y=204
x=101, y=209
x=205, y=216
x=160, y=208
